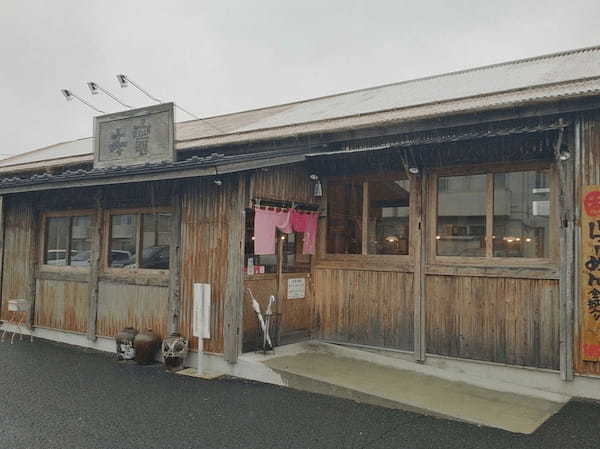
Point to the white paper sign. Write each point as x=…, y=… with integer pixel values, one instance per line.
x=541, y=208
x=296, y=288
x=201, y=311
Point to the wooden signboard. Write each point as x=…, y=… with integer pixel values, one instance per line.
x=590, y=273
x=135, y=136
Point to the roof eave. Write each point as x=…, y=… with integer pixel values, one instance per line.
x=470, y=105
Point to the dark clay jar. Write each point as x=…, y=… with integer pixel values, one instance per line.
x=147, y=345
x=124, y=340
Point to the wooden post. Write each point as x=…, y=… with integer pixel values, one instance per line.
x=234, y=289
x=33, y=260
x=489, y=215
x=1, y=248
x=418, y=186
x=175, y=264
x=365, y=219
x=95, y=263
x=566, y=201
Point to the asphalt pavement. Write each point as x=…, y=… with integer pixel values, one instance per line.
x=57, y=396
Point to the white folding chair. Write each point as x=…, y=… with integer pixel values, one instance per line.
x=18, y=311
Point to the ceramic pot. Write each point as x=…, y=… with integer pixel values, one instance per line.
x=174, y=351
x=124, y=340
x=146, y=345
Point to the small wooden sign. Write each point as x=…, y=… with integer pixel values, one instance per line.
x=134, y=137
x=590, y=273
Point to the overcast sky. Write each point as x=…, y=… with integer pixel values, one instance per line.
x=215, y=57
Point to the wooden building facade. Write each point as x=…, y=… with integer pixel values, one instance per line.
x=455, y=233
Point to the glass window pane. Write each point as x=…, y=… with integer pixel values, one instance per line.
x=123, y=234
x=388, y=217
x=294, y=261
x=57, y=237
x=461, y=216
x=256, y=264
x=344, y=217
x=521, y=214
x=81, y=241
x=156, y=233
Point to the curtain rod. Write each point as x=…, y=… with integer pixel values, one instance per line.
x=284, y=204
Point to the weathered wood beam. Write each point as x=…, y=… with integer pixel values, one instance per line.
x=33, y=260
x=566, y=201
x=234, y=289
x=1, y=247
x=418, y=241
x=95, y=263
x=175, y=264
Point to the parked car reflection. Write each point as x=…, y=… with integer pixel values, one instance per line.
x=156, y=257
x=58, y=256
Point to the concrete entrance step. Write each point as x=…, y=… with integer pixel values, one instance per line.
x=409, y=390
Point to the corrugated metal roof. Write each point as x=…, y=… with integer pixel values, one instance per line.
x=572, y=73
x=73, y=150
x=560, y=75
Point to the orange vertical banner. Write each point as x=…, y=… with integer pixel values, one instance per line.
x=590, y=273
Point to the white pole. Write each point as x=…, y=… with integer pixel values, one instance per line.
x=201, y=320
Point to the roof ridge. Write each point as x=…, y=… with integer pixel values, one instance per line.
x=398, y=83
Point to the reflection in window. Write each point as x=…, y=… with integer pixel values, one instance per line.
x=294, y=261
x=154, y=240
x=256, y=264
x=461, y=216
x=57, y=241
x=344, y=217
x=156, y=236
x=68, y=241
x=388, y=217
x=123, y=232
x=521, y=214
x=81, y=242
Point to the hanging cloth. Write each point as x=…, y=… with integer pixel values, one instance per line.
x=306, y=223
x=265, y=223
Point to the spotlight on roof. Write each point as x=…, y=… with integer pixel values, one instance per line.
x=413, y=170
x=125, y=81
x=122, y=79
x=94, y=88
x=67, y=93
x=70, y=95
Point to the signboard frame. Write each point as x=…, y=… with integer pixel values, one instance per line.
x=590, y=273
x=166, y=110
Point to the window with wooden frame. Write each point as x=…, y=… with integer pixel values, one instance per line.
x=368, y=215
x=496, y=215
x=67, y=239
x=140, y=239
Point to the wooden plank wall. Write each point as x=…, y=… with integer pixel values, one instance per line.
x=288, y=183
x=204, y=229
x=297, y=313
x=17, y=255
x=62, y=305
x=589, y=174
x=141, y=306
x=365, y=307
x=511, y=321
